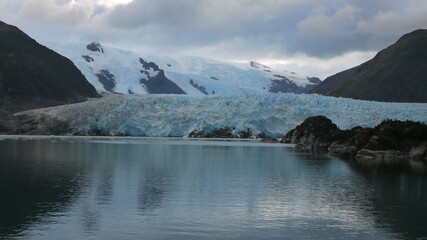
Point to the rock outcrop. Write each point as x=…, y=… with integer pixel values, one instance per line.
x=313, y=133
x=227, y=132
x=389, y=140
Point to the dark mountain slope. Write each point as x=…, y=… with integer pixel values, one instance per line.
x=33, y=76
x=396, y=74
x=329, y=84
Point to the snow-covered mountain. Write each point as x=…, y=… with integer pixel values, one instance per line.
x=119, y=71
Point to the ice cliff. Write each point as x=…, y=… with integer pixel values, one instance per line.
x=177, y=115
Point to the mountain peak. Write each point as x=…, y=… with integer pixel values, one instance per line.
x=418, y=32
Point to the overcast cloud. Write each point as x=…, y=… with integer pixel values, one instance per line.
x=314, y=37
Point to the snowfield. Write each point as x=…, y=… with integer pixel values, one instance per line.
x=178, y=115
x=217, y=78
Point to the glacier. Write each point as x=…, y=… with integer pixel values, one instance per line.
x=178, y=115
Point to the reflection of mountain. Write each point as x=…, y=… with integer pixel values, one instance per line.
x=33, y=184
x=152, y=190
x=154, y=178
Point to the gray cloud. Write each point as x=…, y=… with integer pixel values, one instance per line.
x=224, y=29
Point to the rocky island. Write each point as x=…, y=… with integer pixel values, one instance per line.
x=390, y=140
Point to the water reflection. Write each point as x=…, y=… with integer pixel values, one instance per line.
x=36, y=180
x=163, y=190
x=400, y=199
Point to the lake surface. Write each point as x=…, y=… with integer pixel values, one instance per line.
x=84, y=188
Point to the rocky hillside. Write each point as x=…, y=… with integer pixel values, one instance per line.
x=396, y=74
x=33, y=76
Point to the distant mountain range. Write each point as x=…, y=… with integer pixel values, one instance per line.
x=118, y=71
x=33, y=76
x=396, y=74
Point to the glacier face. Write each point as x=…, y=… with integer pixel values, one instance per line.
x=178, y=115
x=193, y=75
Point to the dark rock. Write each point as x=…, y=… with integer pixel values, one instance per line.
x=361, y=137
x=314, y=133
x=4, y=129
x=258, y=65
x=246, y=133
x=197, y=133
x=95, y=47
x=29, y=124
x=99, y=132
x=225, y=132
x=261, y=135
x=397, y=135
x=357, y=129
x=342, y=150
x=149, y=65
x=107, y=79
x=285, y=85
x=314, y=80
x=88, y=58
x=418, y=153
x=390, y=140
x=160, y=84
x=221, y=133
x=202, y=89
x=288, y=137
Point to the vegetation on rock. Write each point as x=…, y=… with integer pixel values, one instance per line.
x=396, y=138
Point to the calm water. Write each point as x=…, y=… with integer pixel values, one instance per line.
x=170, y=189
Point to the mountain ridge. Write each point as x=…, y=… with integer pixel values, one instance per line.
x=177, y=75
x=397, y=73
x=34, y=76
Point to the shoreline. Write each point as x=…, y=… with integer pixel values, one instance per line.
x=254, y=142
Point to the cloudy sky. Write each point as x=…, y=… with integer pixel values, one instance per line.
x=313, y=37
